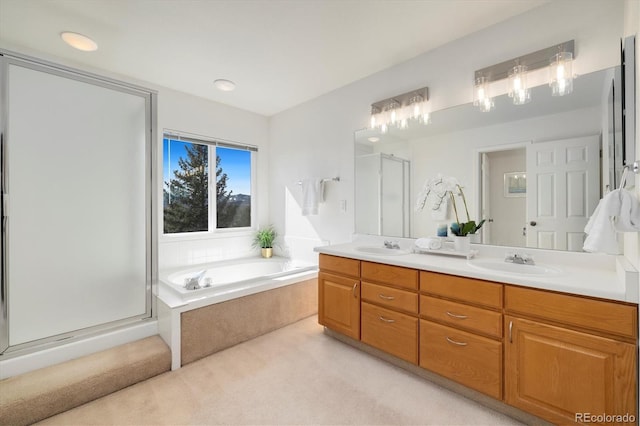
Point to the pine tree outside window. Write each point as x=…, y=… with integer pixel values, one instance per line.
x=188, y=184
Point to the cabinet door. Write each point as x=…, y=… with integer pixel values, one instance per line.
x=339, y=304
x=467, y=358
x=390, y=331
x=564, y=376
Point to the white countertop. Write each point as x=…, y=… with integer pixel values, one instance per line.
x=603, y=276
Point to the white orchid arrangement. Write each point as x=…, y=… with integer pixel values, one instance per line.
x=440, y=188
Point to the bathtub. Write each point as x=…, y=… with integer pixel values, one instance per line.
x=220, y=281
x=253, y=285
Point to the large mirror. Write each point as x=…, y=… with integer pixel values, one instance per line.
x=536, y=171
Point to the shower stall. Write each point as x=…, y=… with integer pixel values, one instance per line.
x=77, y=252
x=382, y=191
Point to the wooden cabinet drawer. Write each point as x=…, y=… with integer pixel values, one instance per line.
x=392, y=275
x=464, y=289
x=340, y=265
x=471, y=360
x=599, y=315
x=390, y=331
x=390, y=297
x=460, y=315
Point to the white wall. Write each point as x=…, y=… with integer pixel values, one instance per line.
x=316, y=138
x=187, y=113
x=191, y=114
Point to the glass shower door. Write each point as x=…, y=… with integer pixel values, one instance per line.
x=76, y=189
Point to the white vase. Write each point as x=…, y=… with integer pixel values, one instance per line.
x=462, y=244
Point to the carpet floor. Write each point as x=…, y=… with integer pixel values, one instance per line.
x=294, y=375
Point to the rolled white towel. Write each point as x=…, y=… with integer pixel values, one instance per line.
x=429, y=243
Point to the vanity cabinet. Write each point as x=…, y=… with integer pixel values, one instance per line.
x=569, y=356
x=461, y=330
x=390, y=309
x=339, y=295
x=564, y=358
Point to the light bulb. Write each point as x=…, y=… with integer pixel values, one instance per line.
x=481, y=95
x=518, y=88
x=561, y=74
x=415, y=107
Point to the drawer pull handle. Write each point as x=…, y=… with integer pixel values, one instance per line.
x=456, y=316
x=510, y=331
x=456, y=343
x=355, y=287
x=386, y=319
x=382, y=296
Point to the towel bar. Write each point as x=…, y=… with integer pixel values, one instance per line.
x=335, y=179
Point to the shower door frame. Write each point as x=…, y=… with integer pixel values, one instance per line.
x=406, y=191
x=8, y=58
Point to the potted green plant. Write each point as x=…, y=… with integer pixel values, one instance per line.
x=264, y=239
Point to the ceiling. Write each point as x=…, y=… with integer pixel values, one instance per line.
x=280, y=53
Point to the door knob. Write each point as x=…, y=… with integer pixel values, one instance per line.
x=533, y=223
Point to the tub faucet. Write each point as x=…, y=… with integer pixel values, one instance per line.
x=391, y=244
x=519, y=258
x=193, y=283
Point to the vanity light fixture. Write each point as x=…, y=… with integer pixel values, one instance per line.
x=79, y=41
x=518, y=88
x=400, y=111
x=561, y=75
x=224, y=85
x=482, y=95
x=557, y=58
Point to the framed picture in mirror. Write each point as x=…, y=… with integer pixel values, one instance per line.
x=515, y=184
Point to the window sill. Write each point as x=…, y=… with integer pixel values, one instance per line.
x=196, y=236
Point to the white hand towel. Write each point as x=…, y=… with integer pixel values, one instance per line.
x=429, y=243
x=628, y=220
x=619, y=210
x=312, y=194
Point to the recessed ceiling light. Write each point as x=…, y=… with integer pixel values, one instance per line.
x=79, y=41
x=373, y=139
x=224, y=85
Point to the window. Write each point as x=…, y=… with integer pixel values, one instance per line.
x=187, y=183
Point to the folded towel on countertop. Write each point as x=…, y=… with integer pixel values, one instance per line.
x=429, y=243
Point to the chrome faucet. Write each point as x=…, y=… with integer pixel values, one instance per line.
x=391, y=244
x=519, y=258
x=193, y=282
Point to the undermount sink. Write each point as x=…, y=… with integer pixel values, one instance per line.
x=382, y=250
x=500, y=266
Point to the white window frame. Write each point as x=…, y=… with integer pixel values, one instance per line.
x=213, y=231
